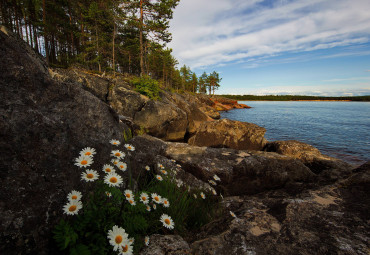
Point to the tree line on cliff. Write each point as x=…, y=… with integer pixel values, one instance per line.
x=126, y=36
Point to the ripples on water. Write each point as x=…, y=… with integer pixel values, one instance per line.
x=337, y=129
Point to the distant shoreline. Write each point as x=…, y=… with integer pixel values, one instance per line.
x=296, y=98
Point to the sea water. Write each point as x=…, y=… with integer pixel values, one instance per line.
x=337, y=129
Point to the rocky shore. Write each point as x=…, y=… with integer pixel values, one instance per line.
x=288, y=198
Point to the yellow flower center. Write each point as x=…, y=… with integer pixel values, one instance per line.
x=121, y=166
x=74, y=197
x=156, y=198
x=90, y=176
x=117, y=154
x=88, y=153
x=72, y=208
x=118, y=239
x=143, y=198
x=83, y=162
x=108, y=170
x=165, y=202
x=167, y=221
x=128, y=195
x=131, y=202
x=125, y=248
x=113, y=179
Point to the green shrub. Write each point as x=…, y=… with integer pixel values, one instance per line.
x=147, y=86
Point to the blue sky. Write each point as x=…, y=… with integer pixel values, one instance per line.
x=311, y=47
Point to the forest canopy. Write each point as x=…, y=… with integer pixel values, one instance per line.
x=126, y=36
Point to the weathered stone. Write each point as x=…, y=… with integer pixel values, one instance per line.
x=126, y=101
x=211, y=112
x=330, y=168
x=44, y=125
x=332, y=219
x=166, y=245
x=229, y=134
x=165, y=121
x=241, y=172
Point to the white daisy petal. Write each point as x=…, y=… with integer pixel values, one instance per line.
x=83, y=161
x=167, y=221
x=113, y=179
x=90, y=175
x=72, y=207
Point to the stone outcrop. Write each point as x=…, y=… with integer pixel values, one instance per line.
x=241, y=172
x=166, y=245
x=225, y=104
x=318, y=163
x=331, y=219
x=229, y=134
x=44, y=125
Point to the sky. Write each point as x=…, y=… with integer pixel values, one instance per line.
x=300, y=47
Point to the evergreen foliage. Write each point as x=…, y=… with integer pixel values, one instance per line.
x=146, y=86
x=126, y=36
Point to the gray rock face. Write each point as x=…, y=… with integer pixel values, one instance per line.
x=330, y=168
x=163, y=120
x=166, y=245
x=44, y=125
x=230, y=134
x=241, y=172
x=331, y=219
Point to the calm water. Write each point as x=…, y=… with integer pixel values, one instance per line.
x=337, y=129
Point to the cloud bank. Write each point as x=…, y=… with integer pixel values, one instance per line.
x=214, y=32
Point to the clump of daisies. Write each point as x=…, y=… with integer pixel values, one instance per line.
x=129, y=214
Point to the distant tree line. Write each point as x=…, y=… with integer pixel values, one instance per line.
x=127, y=36
x=293, y=98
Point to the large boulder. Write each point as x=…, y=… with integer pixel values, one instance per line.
x=162, y=120
x=230, y=134
x=241, y=172
x=329, y=167
x=44, y=125
x=331, y=219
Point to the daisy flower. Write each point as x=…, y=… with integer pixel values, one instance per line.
x=167, y=221
x=160, y=166
x=128, y=194
x=164, y=172
x=165, y=202
x=126, y=249
x=212, y=182
x=216, y=178
x=118, y=154
x=113, y=179
x=115, y=142
x=108, y=168
x=195, y=196
x=83, y=161
x=131, y=201
x=202, y=195
x=88, y=152
x=148, y=208
x=108, y=194
x=115, y=161
x=232, y=214
x=146, y=240
x=144, y=198
x=72, y=207
x=154, y=206
x=156, y=198
x=147, y=168
x=159, y=178
x=117, y=236
x=129, y=147
x=214, y=191
x=122, y=166
x=131, y=240
x=90, y=175
x=74, y=196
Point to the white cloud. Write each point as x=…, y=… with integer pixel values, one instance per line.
x=210, y=32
